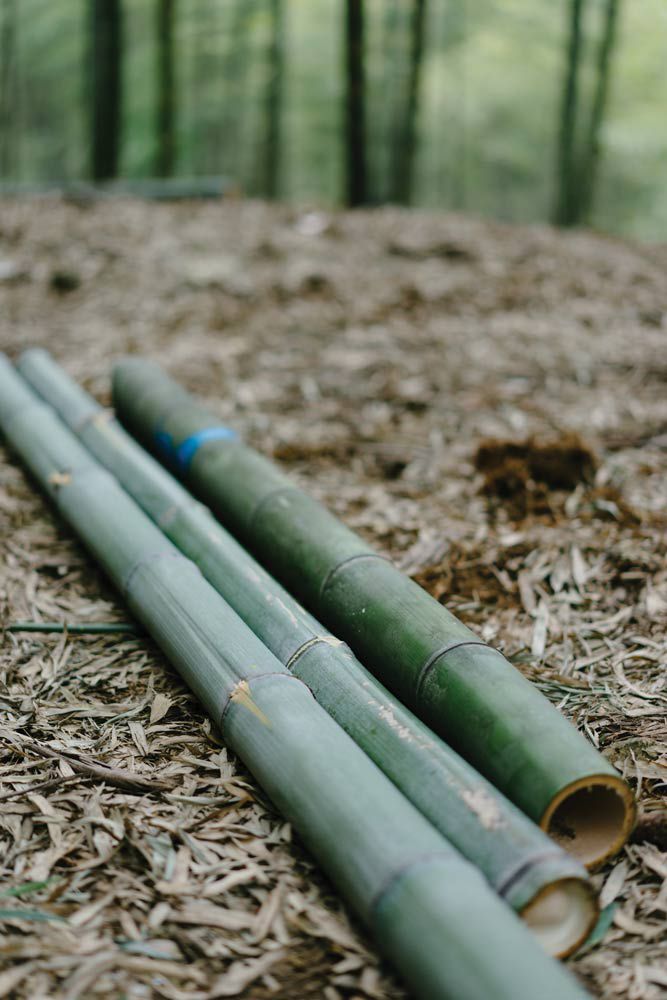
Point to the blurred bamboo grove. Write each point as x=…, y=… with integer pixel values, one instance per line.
x=517, y=109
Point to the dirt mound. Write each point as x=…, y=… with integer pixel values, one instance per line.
x=560, y=464
x=471, y=573
x=521, y=473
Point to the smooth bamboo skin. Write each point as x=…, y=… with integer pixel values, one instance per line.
x=374, y=844
x=464, y=689
x=517, y=858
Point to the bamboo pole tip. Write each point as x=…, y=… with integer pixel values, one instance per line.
x=592, y=818
x=562, y=915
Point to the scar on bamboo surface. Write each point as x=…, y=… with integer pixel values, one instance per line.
x=241, y=696
x=60, y=478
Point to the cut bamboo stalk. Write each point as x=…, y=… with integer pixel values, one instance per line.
x=462, y=688
x=433, y=913
x=537, y=878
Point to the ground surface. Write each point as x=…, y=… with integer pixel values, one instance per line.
x=371, y=354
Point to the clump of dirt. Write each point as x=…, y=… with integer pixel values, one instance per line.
x=651, y=829
x=560, y=464
x=64, y=281
x=466, y=574
x=522, y=473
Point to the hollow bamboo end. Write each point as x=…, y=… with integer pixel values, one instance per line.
x=592, y=818
x=562, y=916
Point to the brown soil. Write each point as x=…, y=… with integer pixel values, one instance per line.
x=530, y=478
x=466, y=574
x=522, y=474
x=559, y=464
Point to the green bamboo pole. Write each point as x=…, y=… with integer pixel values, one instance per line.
x=431, y=910
x=528, y=870
x=462, y=688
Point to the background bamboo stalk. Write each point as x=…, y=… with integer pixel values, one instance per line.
x=464, y=689
x=527, y=869
x=432, y=911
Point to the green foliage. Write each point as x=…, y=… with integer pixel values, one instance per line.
x=140, y=98
x=489, y=103
x=29, y=887
x=48, y=99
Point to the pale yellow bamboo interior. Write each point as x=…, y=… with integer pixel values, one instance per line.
x=591, y=818
x=562, y=916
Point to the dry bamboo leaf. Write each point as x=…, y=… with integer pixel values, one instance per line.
x=628, y=923
x=10, y=978
x=159, y=707
x=204, y=914
x=526, y=591
x=241, y=974
x=579, y=567
x=614, y=883
x=267, y=914
x=540, y=628
x=86, y=913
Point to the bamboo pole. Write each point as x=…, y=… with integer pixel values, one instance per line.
x=462, y=688
x=528, y=870
x=431, y=911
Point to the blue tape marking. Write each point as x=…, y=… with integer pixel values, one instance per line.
x=187, y=450
x=182, y=455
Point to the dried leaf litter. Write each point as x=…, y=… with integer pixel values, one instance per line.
x=374, y=355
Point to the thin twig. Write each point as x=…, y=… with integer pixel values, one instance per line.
x=90, y=628
x=41, y=786
x=126, y=780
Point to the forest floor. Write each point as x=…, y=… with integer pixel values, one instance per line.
x=371, y=354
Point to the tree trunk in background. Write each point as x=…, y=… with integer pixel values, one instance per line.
x=235, y=105
x=106, y=83
x=381, y=172
x=460, y=174
x=566, y=212
x=355, y=131
x=165, y=16
x=8, y=88
x=274, y=100
x=204, y=68
x=406, y=134
x=591, y=157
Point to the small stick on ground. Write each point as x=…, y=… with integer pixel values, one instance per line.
x=91, y=628
x=126, y=780
x=41, y=786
